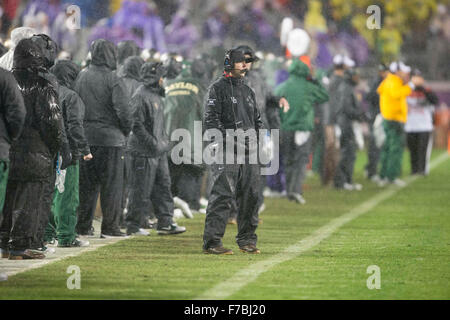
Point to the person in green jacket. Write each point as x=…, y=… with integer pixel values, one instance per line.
x=303, y=93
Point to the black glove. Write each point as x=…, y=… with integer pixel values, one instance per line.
x=66, y=156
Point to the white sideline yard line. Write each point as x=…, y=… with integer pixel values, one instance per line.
x=11, y=268
x=245, y=276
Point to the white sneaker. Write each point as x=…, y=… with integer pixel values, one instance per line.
x=180, y=204
x=3, y=277
x=178, y=213
x=399, y=183
x=357, y=187
x=202, y=211
x=261, y=208
x=348, y=187
x=297, y=198
x=382, y=182
x=266, y=192
x=203, y=202
x=47, y=250
x=376, y=178
x=141, y=232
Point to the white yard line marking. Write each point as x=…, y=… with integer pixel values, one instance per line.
x=245, y=276
x=11, y=268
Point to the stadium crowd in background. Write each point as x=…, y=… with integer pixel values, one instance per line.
x=96, y=108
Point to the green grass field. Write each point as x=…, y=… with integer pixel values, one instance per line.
x=407, y=236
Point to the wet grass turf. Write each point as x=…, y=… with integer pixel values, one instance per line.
x=407, y=236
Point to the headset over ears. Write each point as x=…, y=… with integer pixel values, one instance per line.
x=227, y=64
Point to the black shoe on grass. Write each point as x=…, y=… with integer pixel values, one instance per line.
x=77, y=243
x=218, y=250
x=250, y=248
x=115, y=234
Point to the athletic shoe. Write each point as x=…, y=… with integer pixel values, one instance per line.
x=232, y=221
x=203, y=202
x=171, y=229
x=181, y=204
x=297, y=198
x=376, y=178
x=383, y=182
x=399, y=183
x=3, y=277
x=52, y=242
x=77, y=243
x=46, y=250
x=117, y=234
x=261, y=208
x=218, y=250
x=348, y=187
x=26, y=255
x=357, y=187
x=250, y=248
x=88, y=233
x=140, y=232
x=178, y=213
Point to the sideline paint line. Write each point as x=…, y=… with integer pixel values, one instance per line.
x=15, y=267
x=245, y=276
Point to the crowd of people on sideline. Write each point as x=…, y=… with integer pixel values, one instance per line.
x=73, y=135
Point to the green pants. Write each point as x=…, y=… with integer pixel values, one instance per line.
x=392, y=151
x=4, y=171
x=63, y=218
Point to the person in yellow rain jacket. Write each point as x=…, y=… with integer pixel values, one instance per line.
x=393, y=92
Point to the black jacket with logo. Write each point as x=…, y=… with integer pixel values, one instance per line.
x=231, y=104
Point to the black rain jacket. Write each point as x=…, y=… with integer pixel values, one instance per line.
x=149, y=138
x=72, y=107
x=12, y=112
x=231, y=104
x=131, y=74
x=33, y=154
x=108, y=118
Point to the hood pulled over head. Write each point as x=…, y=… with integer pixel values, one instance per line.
x=28, y=56
x=48, y=47
x=104, y=53
x=299, y=68
x=66, y=72
x=127, y=49
x=132, y=67
x=151, y=73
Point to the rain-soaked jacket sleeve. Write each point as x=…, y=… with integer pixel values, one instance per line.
x=213, y=110
x=258, y=121
x=121, y=105
x=75, y=116
x=320, y=93
x=13, y=106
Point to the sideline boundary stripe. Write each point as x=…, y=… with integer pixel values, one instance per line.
x=245, y=276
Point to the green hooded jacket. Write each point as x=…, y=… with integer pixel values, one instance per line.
x=303, y=94
x=184, y=105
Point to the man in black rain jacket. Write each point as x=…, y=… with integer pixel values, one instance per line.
x=125, y=49
x=107, y=123
x=148, y=147
x=231, y=104
x=12, y=117
x=66, y=194
x=349, y=110
x=33, y=155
